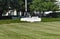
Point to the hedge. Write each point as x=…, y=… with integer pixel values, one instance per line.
x=50, y=19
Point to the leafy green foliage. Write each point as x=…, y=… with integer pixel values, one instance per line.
x=22, y=6
x=50, y=19
x=43, y=5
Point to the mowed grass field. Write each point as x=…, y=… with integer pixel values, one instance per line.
x=41, y=30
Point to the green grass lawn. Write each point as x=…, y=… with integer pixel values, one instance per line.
x=42, y=30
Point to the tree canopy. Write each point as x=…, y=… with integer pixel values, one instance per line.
x=44, y=5
x=40, y=5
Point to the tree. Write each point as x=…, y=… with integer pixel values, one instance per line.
x=5, y=4
x=22, y=5
x=43, y=5
x=2, y=2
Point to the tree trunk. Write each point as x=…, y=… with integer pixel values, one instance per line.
x=0, y=14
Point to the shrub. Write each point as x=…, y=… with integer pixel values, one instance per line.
x=50, y=19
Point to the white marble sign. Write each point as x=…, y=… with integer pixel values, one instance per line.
x=32, y=19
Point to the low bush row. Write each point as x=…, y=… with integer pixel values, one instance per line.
x=50, y=19
x=19, y=21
